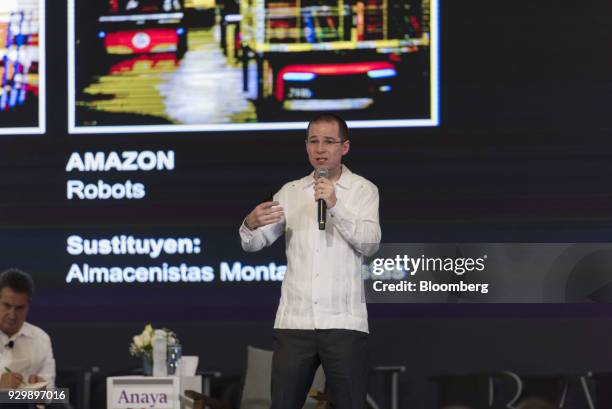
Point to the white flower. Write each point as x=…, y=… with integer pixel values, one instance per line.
x=142, y=344
x=138, y=341
x=146, y=338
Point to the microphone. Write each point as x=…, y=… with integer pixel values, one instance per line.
x=321, y=205
x=10, y=344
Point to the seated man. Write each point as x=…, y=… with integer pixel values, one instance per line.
x=25, y=349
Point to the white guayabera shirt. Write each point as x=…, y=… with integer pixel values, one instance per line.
x=31, y=353
x=322, y=287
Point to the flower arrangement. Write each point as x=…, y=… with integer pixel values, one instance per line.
x=142, y=345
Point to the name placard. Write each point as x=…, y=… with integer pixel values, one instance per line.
x=132, y=392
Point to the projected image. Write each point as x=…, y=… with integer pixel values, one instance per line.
x=21, y=66
x=250, y=64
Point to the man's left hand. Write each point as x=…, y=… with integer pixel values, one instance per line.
x=35, y=379
x=324, y=189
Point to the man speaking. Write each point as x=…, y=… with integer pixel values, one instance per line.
x=330, y=220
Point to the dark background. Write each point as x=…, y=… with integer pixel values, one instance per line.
x=523, y=154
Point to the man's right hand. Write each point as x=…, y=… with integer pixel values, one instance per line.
x=10, y=380
x=263, y=214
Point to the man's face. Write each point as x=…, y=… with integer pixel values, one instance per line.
x=13, y=310
x=325, y=146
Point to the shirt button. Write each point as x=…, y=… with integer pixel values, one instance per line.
x=316, y=302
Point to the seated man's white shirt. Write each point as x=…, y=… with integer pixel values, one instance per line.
x=31, y=353
x=323, y=287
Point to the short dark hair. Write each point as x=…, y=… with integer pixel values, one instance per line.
x=17, y=280
x=330, y=117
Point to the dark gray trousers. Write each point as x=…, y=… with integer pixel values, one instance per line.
x=297, y=355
